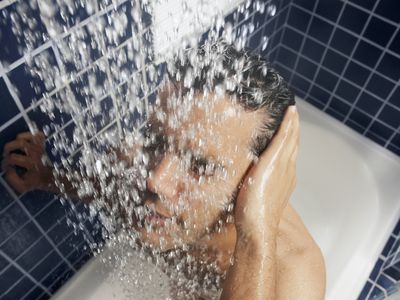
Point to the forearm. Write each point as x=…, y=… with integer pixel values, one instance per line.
x=254, y=272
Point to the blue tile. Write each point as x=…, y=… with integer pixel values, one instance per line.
x=309, y=5
x=395, y=45
x=3, y=263
x=33, y=294
x=367, y=54
x=287, y=58
x=31, y=86
x=259, y=18
x=78, y=252
x=49, y=262
x=376, y=270
x=388, y=66
x=283, y=71
x=334, y=61
x=60, y=231
x=34, y=254
x=9, y=108
x=313, y=50
x=396, y=230
x=355, y=126
x=360, y=118
x=300, y=83
x=326, y=79
x=51, y=214
x=369, y=103
x=8, y=277
x=10, y=220
x=35, y=200
x=389, y=9
x=292, y=39
x=61, y=279
x=385, y=282
x=395, y=98
x=379, y=31
x=376, y=138
x=5, y=198
x=298, y=19
x=393, y=273
x=376, y=293
x=339, y=106
x=394, y=149
x=343, y=41
x=82, y=260
x=390, y=116
x=315, y=102
x=320, y=30
x=353, y=19
x=255, y=40
x=122, y=63
x=347, y=91
x=319, y=94
x=306, y=68
x=388, y=246
x=356, y=73
x=365, y=291
x=380, y=86
x=337, y=115
x=75, y=242
x=329, y=9
x=43, y=296
x=9, y=133
x=20, y=289
x=21, y=240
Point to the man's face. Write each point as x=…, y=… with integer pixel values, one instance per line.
x=204, y=157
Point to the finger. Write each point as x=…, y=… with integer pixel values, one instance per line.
x=19, y=160
x=16, y=182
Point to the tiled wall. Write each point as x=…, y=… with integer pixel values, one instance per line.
x=327, y=50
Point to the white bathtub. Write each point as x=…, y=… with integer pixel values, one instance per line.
x=348, y=195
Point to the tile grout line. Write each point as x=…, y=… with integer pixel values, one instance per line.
x=283, y=29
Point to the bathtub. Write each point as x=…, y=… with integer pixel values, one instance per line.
x=348, y=195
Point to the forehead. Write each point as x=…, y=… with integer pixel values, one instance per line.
x=213, y=125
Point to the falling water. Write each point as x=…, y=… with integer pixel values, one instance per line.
x=101, y=75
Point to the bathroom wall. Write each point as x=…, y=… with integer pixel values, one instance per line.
x=344, y=58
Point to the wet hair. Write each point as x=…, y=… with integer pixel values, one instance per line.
x=245, y=75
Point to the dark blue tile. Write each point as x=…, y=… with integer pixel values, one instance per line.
x=5, y=198
x=35, y=200
x=255, y=40
x=3, y=263
x=259, y=17
x=283, y=71
x=388, y=246
x=395, y=45
x=360, y=118
x=389, y=66
x=339, y=106
x=320, y=29
x=21, y=240
x=20, y=289
x=380, y=86
x=292, y=39
x=43, y=268
x=326, y=79
x=34, y=293
x=287, y=58
x=347, y=91
x=122, y=63
x=376, y=270
x=365, y=291
x=79, y=251
x=9, y=133
x=390, y=116
x=9, y=108
x=394, y=149
x=8, y=277
x=396, y=230
x=393, y=273
x=369, y=103
x=376, y=138
x=364, y=3
x=309, y=5
x=329, y=9
x=354, y=125
x=60, y=231
x=337, y=115
x=29, y=84
x=318, y=104
x=343, y=41
x=300, y=83
x=10, y=220
x=334, y=61
x=379, y=31
x=356, y=73
x=61, y=279
x=75, y=242
x=313, y=50
x=306, y=68
x=300, y=93
x=395, y=98
x=389, y=9
x=353, y=19
x=376, y=293
x=298, y=19
x=385, y=282
x=367, y=54
x=51, y=214
x=34, y=254
x=319, y=94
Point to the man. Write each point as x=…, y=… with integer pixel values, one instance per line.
x=211, y=186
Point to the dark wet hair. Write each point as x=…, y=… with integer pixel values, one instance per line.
x=243, y=74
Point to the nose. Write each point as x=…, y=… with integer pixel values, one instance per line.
x=164, y=179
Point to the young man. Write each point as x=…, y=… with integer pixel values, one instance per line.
x=212, y=187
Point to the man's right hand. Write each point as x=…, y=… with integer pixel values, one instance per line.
x=26, y=151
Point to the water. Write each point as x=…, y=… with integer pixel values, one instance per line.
x=99, y=75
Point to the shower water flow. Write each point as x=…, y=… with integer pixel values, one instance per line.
x=97, y=73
